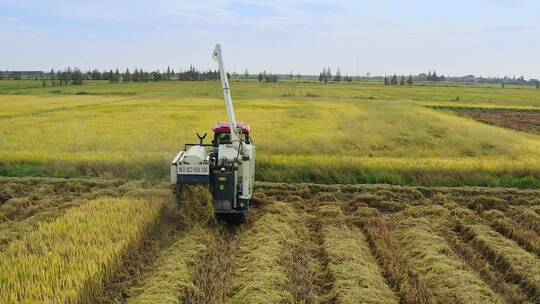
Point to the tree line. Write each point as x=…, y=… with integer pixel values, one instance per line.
x=140, y=75
x=74, y=76
x=265, y=77
x=326, y=75
x=394, y=80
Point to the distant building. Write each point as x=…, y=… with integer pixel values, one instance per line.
x=21, y=74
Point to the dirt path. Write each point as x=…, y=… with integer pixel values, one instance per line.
x=526, y=121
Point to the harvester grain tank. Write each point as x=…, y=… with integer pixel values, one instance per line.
x=226, y=166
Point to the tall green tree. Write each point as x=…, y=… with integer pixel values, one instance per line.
x=117, y=76
x=337, y=77
x=394, y=80
x=328, y=75
x=127, y=76
x=52, y=76
x=322, y=75
x=410, y=80
x=77, y=77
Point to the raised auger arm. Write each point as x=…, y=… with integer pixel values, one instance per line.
x=226, y=94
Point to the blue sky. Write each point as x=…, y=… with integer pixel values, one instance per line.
x=481, y=37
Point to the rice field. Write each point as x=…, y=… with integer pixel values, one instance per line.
x=304, y=132
x=365, y=194
x=303, y=243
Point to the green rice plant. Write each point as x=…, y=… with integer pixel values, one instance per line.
x=259, y=276
x=67, y=261
x=444, y=273
x=517, y=264
x=173, y=273
x=357, y=277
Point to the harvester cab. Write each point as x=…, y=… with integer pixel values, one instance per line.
x=226, y=166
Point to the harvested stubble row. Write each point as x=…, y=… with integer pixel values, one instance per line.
x=527, y=239
x=518, y=264
x=527, y=216
x=398, y=271
x=444, y=273
x=173, y=273
x=259, y=277
x=67, y=260
x=510, y=292
x=357, y=277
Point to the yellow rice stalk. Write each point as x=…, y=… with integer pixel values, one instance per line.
x=67, y=260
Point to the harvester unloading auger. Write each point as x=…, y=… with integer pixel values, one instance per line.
x=226, y=166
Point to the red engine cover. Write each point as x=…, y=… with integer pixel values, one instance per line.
x=223, y=127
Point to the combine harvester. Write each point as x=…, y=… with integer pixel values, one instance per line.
x=226, y=167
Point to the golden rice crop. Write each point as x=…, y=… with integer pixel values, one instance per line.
x=67, y=260
x=402, y=141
